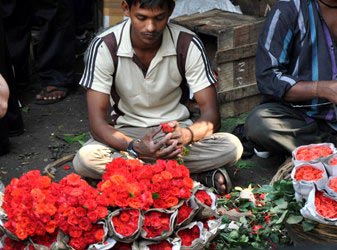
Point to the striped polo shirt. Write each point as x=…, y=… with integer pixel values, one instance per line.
x=293, y=47
x=147, y=99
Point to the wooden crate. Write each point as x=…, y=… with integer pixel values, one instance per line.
x=255, y=7
x=110, y=12
x=230, y=41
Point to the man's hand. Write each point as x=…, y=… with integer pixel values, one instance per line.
x=165, y=148
x=327, y=90
x=184, y=136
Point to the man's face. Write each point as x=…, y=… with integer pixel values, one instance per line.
x=147, y=24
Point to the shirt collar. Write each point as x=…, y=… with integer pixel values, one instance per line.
x=125, y=49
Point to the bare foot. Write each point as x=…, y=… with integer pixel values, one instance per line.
x=51, y=94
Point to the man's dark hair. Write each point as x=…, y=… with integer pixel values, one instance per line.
x=152, y=3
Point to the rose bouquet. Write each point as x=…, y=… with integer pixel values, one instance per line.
x=80, y=207
x=158, y=224
x=30, y=203
x=129, y=183
x=305, y=176
x=313, y=152
x=125, y=224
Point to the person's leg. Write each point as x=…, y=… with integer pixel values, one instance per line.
x=208, y=158
x=17, y=19
x=279, y=129
x=91, y=159
x=11, y=124
x=55, y=49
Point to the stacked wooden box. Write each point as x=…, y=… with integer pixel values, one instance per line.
x=109, y=12
x=230, y=40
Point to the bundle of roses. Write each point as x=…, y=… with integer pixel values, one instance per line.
x=80, y=208
x=30, y=203
x=36, y=208
x=317, y=182
x=129, y=183
x=157, y=201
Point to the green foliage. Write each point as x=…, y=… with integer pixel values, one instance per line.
x=245, y=164
x=73, y=138
x=228, y=124
x=260, y=221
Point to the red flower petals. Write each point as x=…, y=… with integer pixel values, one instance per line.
x=325, y=206
x=129, y=183
x=166, y=127
x=187, y=235
x=311, y=153
x=183, y=213
x=204, y=197
x=126, y=222
x=308, y=173
x=156, y=223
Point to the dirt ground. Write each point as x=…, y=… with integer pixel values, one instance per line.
x=47, y=128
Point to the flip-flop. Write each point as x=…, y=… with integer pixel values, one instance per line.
x=45, y=92
x=208, y=179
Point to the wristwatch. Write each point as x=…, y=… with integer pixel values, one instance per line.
x=130, y=149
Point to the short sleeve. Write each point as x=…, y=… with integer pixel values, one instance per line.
x=199, y=74
x=99, y=68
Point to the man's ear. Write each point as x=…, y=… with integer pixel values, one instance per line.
x=125, y=8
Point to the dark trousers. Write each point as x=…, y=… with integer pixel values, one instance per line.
x=279, y=129
x=55, y=53
x=12, y=120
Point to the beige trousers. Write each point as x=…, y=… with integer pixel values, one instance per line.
x=217, y=150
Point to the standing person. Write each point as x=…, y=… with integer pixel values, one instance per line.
x=136, y=63
x=297, y=74
x=11, y=123
x=55, y=53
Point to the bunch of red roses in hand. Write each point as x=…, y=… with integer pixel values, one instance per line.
x=166, y=128
x=30, y=203
x=80, y=207
x=130, y=183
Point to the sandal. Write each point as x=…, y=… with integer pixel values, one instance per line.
x=208, y=179
x=47, y=97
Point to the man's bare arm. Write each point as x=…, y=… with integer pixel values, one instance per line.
x=303, y=91
x=209, y=120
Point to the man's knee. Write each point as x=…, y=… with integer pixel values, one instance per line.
x=256, y=127
x=90, y=161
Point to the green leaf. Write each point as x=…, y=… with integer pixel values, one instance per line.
x=281, y=219
x=72, y=138
x=234, y=234
x=155, y=196
x=294, y=219
x=281, y=203
x=308, y=225
x=265, y=189
x=275, y=238
x=25, y=109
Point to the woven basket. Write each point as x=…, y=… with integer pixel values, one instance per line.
x=284, y=171
x=322, y=234
x=51, y=169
